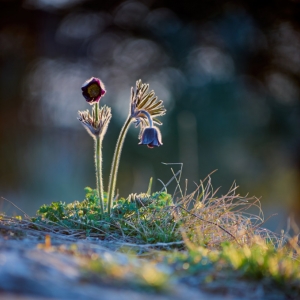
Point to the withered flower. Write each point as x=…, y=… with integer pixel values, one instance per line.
x=92, y=90
x=151, y=137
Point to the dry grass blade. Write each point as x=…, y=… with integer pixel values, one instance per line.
x=210, y=222
x=16, y=207
x=209, y=219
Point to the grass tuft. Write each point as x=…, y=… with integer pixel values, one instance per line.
x=200, y=218
x=274, y=268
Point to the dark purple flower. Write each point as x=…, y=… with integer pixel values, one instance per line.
x=92, y=90
x=151, y=137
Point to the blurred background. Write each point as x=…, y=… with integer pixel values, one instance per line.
x=228, y=72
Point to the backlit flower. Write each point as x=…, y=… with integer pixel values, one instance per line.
x=145, y=104
x=95, y=127
x=151, y=137
x=92, y=90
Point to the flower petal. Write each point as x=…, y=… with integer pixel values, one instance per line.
x=151, y=137
x=92, y=90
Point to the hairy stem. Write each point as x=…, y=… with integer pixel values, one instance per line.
x=98, y=162
x=115, y=164
x=148, y=116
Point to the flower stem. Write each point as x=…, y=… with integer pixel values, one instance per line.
x=98, y=162
x=115, y=164
x=148, y=117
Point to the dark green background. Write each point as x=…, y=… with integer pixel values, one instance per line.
x=228, y=72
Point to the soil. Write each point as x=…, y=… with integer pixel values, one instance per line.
x=31, y=269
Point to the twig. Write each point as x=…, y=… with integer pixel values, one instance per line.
x=150, y=245
x=165, y=185
x=257, y=226
x=175, y=176
x=16, y=207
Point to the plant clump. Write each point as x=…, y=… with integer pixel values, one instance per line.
x=200, y=218
x=140, y=218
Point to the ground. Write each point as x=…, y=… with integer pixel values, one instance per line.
x=33, y=267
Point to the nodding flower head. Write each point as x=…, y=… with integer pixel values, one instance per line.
x=151, y=137
x=144, y=105
x=92, y=90
x=96, y=127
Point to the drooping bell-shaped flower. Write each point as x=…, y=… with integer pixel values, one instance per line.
x=151, y=137
x=92, y=90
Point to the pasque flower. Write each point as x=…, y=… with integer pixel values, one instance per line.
x=143, y=110
x=96, y=126
x=92, y=90
x=151, y=137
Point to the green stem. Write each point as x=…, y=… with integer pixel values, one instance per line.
x=98, y=162
x=115, y=164
x=95, y=112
